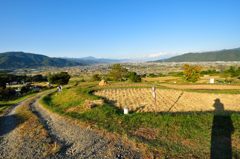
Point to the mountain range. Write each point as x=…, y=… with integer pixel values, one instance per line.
x=220, y=55
x=93, y=60
x=13, y=60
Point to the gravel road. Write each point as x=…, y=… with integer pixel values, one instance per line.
x=19, y=138
x=74, y=139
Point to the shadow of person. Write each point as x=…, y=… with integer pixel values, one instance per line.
x=222, y=129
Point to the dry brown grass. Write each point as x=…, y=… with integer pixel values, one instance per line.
x=140, y=99
x=87, y=105
x=146, y=133
x=202, y=86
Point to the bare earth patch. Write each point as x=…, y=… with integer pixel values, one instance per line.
x=146, y=133
x=140, y=99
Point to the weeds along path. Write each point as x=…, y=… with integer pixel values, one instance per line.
x=80, y=142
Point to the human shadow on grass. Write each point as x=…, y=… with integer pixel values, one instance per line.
x=222, y=129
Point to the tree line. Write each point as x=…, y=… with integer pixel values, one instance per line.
x=118, y=73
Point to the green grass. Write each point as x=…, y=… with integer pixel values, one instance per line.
x=4, y=105
x=172, y=135
x=215, y=91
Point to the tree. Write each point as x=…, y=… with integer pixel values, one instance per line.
x=2, y=83
x=96, y=77
x=61, y=78
x=25, y=89
x=117, y=72
x=191, y=72
x=7, y=94
x=134, y=77
x=38, y=78
x=234, y=72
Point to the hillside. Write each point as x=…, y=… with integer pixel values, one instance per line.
x=222, y=55
x=13, y=60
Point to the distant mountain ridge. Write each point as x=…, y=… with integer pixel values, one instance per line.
x=221, y=55
x=13, y=60
x=93, y=60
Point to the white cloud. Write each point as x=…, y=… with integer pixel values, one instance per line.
x=161, y=55
x=156, y=55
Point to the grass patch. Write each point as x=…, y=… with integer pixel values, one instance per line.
x=171, y=135
x=4, y=105
x=215, y=91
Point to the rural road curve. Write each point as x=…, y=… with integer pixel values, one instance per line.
x=75, y=141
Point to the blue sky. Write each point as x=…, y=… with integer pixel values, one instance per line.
x=118, y=28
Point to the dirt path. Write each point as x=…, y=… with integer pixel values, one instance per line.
x=79, y=141
x=22, y=135
x=26, y=140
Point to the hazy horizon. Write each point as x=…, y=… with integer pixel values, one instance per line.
x=147, y=57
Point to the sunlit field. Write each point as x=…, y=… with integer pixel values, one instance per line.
x=169, y=128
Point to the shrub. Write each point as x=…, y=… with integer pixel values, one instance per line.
x=209, y=72
x=233, y=71
x=176, y=74
x=82, y=80
x=7, y=94
x=134, y=77
x=3, y=80
x=38, y=78
x=25, y=89
x=2, y=84
x=117, y=72
x=96, y=77
x=151, y=75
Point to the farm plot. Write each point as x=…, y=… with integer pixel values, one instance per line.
x=141, y=100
